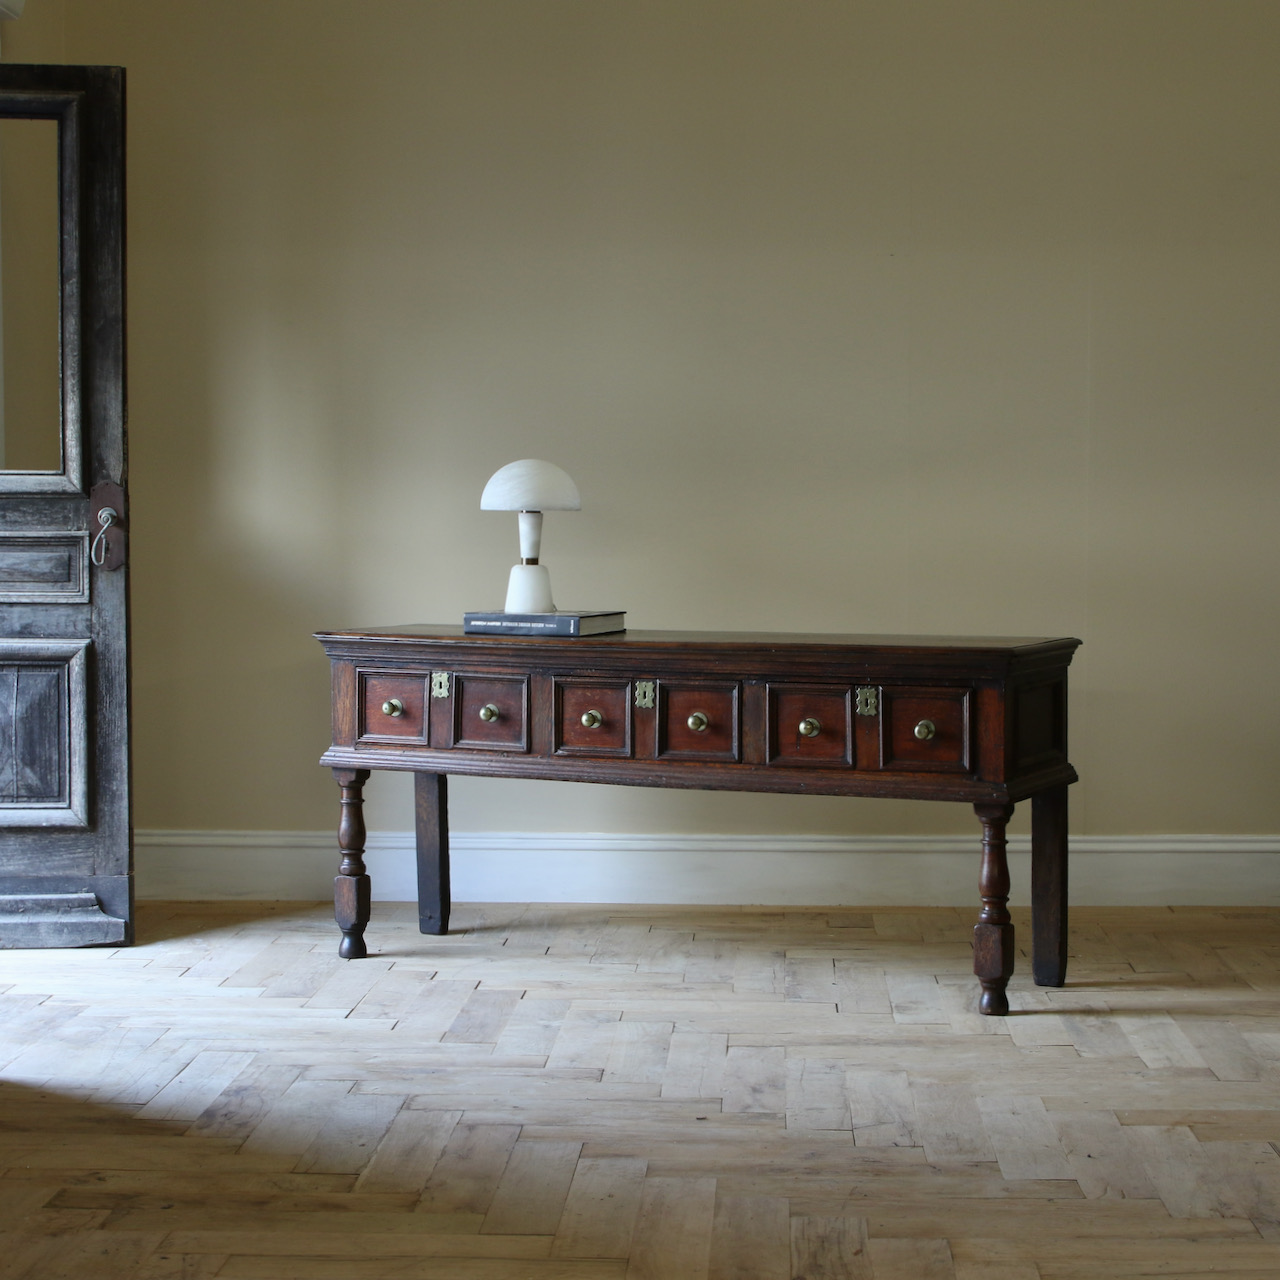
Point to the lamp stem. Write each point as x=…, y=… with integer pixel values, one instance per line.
x=530, y=536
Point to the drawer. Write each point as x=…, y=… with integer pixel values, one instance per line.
x=491, y=713
x=810, y=725
x=699, y=721
x=925, y=729
x=391, y=706
x=592, y=717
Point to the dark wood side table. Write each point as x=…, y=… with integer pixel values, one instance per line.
x=978, y=720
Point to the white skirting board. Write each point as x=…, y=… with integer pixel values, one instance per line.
x=765, y=870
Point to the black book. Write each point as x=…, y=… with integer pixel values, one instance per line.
x=564, y=622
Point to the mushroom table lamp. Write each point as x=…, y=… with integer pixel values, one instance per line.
x=530, y=487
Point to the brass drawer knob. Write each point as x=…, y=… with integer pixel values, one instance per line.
x=393, y=707
x=488, y=713
x=698, y=722
x=592, y=719
x=810, y=728
x=925, y=730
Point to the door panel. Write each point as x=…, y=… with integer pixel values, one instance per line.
x=65, y=819
x=43, y=734
x=39, y=568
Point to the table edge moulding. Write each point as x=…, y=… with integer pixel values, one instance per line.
x=980, y=720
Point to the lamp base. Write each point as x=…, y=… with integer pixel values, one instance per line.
x=529, y=590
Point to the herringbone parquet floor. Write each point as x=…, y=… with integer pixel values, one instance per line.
x=641, y=1093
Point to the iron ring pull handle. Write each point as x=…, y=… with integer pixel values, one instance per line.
x=107, y=516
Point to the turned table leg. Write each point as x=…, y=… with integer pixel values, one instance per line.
x=431, y=829
x=1049, y=887
x=351, y=884
x=993, y=934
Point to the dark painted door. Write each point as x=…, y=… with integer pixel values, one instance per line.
x=65, y=826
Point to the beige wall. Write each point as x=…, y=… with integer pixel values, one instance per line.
x=937, y=316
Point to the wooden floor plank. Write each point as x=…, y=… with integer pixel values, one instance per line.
x=531, y=1194
x=912, y=1259
x=949, y=1122
x=695, y=1065
x=751, y=1238
x=755, y=1080
x=482, y=1018
x=816, y=1094
x=350, y=1135
x=304, y=1241
x=830, y=1248
x=1101, y=1157
x=600, y=1211
x=273, y=1267
x=1024, y=1139
x=407, y=1154
x=297, y=1118
x=672, y=1234
x=881, y=1107
x=197, y=1085
x=469, y=1168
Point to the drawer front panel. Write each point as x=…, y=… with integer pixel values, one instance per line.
x=592, y=717
x=491, y=713
x=699, y=721
x=810, y=725
x=925, y=729
x=391, y=706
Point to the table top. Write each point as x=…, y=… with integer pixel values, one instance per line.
x=446, y=633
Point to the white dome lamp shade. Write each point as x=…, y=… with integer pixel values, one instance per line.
x=530, y=487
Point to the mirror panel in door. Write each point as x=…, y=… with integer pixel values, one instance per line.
x=30, y=290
